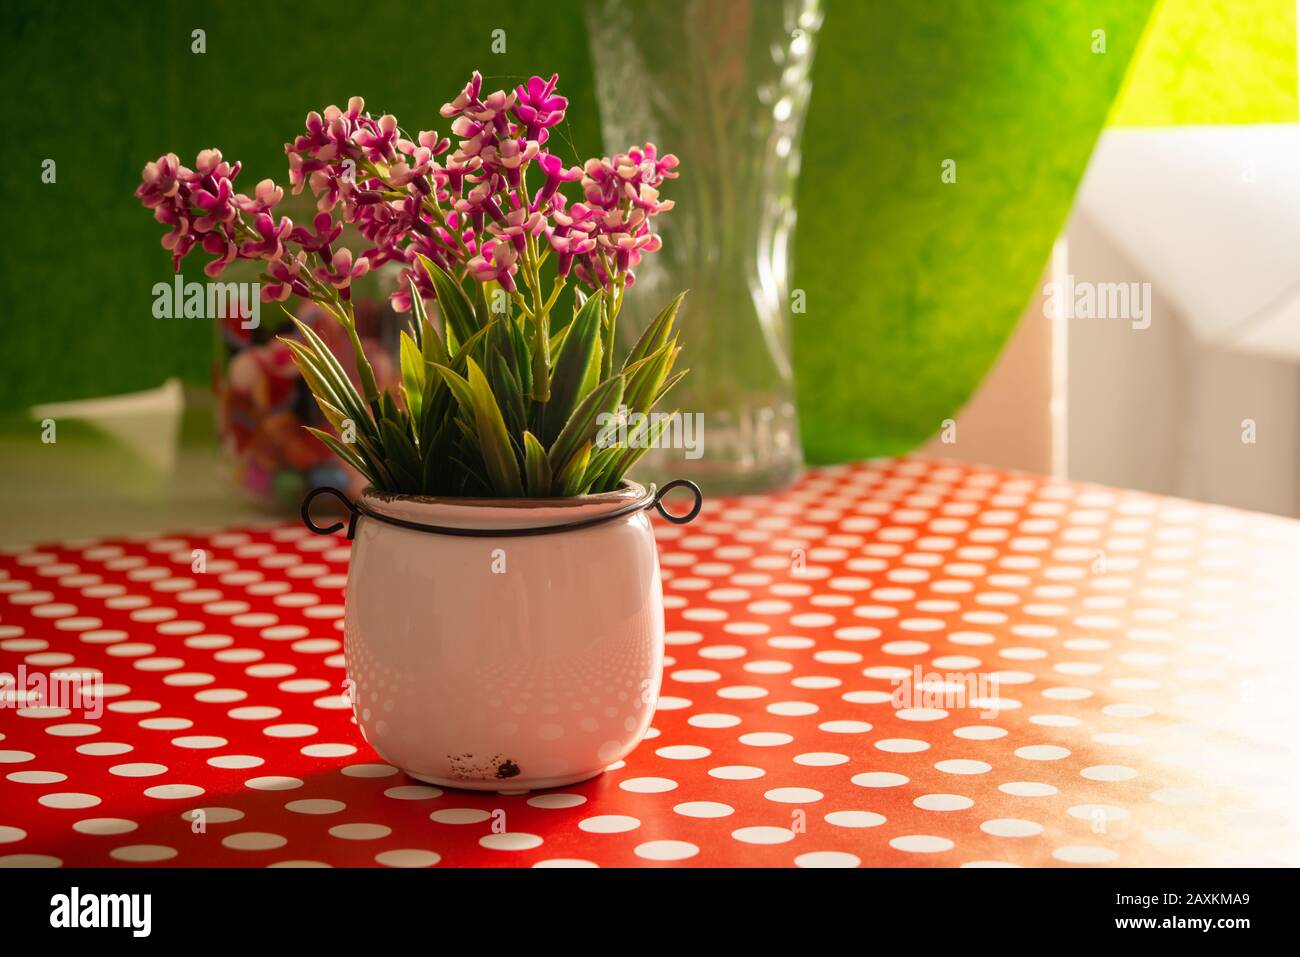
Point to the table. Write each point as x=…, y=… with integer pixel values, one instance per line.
x=893, y=663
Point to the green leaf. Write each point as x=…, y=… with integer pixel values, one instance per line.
x=481, y=304
x=400, y=456
x=330, y=386
x=656, y=334
x=580, y=430
x=417, y=313
x=428, y=340
x=506, y=385
x=570, y=479
x=475, y=398
x=642, y=440
x=413, y=373
x=457, y=310
x=328, y=363
x=646, y=376
x=571, y=366
x=523, y=362
x=537, y=470
x=342, y=451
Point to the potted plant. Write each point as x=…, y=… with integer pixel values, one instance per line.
x=504, y=614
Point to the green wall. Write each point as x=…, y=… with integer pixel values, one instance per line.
x=912, y=285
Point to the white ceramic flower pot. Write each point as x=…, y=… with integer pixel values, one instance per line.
x=504, y=663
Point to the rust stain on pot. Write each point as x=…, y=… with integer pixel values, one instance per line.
x=471, y=767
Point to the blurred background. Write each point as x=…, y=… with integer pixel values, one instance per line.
x=1039, y=234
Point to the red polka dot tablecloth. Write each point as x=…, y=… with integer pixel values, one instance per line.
x=898, y=663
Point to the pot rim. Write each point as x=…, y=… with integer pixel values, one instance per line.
x=627, y=491
x=498, y=513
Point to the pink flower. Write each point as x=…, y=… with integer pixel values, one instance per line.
x=265, y=197
x=496, y=263
x=161, y=180
x=556, y=173
x=466, y=97
x=378, y=139
x=218, y=204
x=221, y=246
x=340, y=271
x=538, y=108
x=286, y=273
x=273, y=237
x=517, y=226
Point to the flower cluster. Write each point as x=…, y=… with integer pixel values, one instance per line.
x=485, y=205
x=464, y=202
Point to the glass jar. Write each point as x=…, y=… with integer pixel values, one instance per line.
x=723, y=84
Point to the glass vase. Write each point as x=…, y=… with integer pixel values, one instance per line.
x=723, y=84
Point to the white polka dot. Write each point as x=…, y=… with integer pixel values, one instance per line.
x=820, y=759
x=963, y=766
x=704, y=809
x=236, y=762
x=102, y=749
x=943, y=802
x=36, y=777
x=290, y=730
x=763, y=834
x=360, y=831
x=648, y=785
x=173, y=792
x=737, y=772
x=105, y=826
x=827, y=859
x=329, y=750
x=254, y=841
x=1084, y=854
x=30, y=860
x=879, y=779
x=666, y=850
x=1011, y=827
x=510, y=842
x=369, y=770
x=68, y=800
x=845, y=727
x=713, y=720
x=143, y=853
x=855, y=819
x=459, y=815
x=902, y=745
x=921, y=844
x=138, y=770
x=408, y=857
x=557, y=801
x=609, y=824
x=793, y=795
x=683, y=752
x=980, y=732
x=562, y=862
x=413, y=792
x=766, y=739
x=1042, y=752
x=254, y=713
